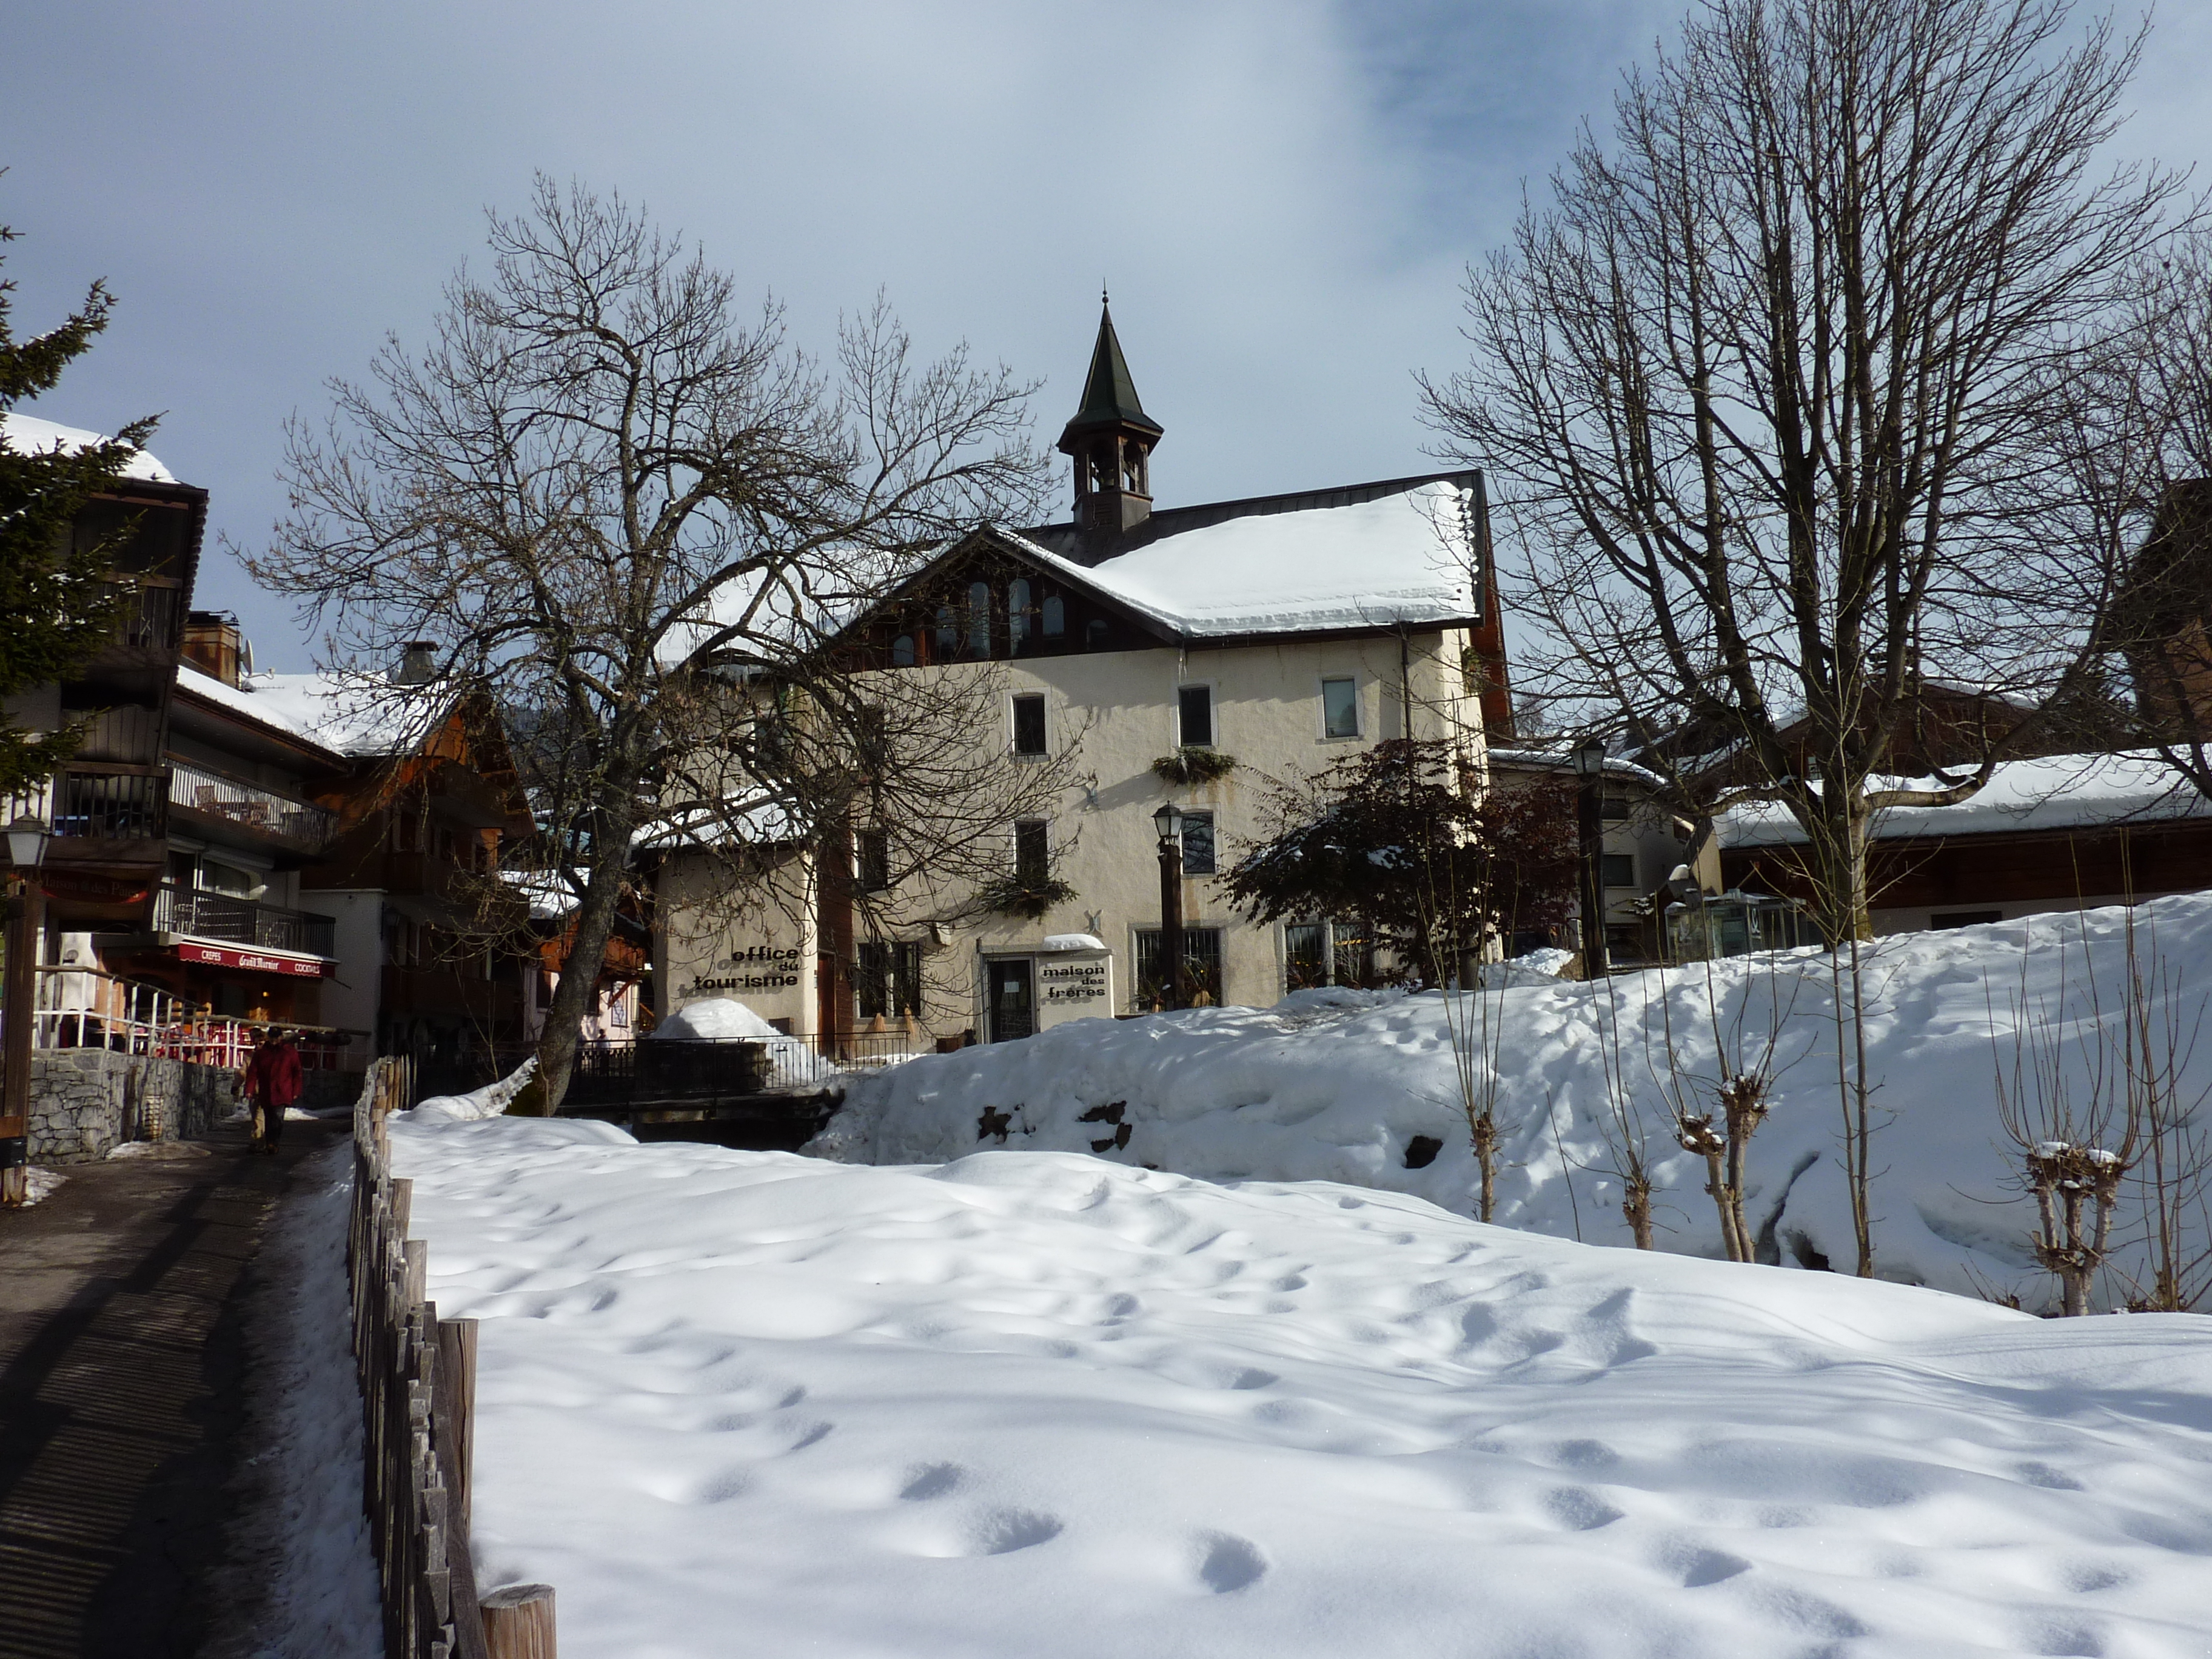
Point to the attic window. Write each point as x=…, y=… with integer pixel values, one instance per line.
x=1055, y=616
x=979, y=619
x=948, y=633
x=1021, y=615
x=902, y=651
x=1094, y=634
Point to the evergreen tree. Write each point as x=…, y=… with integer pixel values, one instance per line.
x=58, y=604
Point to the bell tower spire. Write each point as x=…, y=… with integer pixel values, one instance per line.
x=1110, y=440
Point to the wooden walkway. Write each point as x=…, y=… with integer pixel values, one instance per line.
x=122, y=1361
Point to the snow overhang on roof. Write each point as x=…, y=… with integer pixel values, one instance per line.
x=2059, y=792
x=355, y=715
x=1401, y=558
x=27, y=435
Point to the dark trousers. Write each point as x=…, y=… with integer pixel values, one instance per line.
x=268, y=1122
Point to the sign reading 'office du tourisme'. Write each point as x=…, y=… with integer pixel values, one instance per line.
x=757, y=967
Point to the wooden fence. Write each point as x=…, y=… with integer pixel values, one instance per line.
x=418, y=1397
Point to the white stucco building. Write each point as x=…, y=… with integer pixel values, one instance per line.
x=1261, y=639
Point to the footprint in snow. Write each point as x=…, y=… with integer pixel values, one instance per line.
x=1695, y=1566
x=1001, y=1532
x=1228, y=1563
x=1577, y=1509
x=933, y=1480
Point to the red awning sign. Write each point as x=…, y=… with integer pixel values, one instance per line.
x=256, y=962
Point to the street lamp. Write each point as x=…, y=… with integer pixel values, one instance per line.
x=1589, y=771
x=1169, y=822
x=26, y=851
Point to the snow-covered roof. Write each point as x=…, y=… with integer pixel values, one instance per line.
x=351, y=715
x=27, y=435
x=2059, y=792
x=1401, y=557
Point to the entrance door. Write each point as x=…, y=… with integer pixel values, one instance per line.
x=1013, y=1000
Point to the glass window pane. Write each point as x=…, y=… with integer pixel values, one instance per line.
x=979, y=619
x=1017, y=613
x=1618, y=869
x=1340, y=708
x=1032, y=857
x=902, y=651
x=1055, y=616
x=1305, y=956
x=1198, y=843
x=1028, y=723
x=948, y=631
x=1195, y=703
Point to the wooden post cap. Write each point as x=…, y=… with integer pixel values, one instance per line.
x=518, y=1621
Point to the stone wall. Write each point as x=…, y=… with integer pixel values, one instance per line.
x=87, y=1101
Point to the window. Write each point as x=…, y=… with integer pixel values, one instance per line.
x=1340, y=708
x=902, y=651
x=1194, y=707
x=1032, y=853
x=1612, y=808
x=1352, y=955
x=888, y=980
x=948, y=633
x=979, y=619
x=1201, y=956
x=873, y=860
x=1617, y=869
x=1055, y=616
x=1028, y=723
x=1198, y=843
x=1094, y=633
x=1021, y=615
x=1305, y=956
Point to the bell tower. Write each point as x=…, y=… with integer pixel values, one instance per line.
x=1110, y=440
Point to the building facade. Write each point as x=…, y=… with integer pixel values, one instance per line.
x=1193, y=655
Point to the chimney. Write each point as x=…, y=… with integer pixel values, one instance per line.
x=418, y=663
x=213, y=645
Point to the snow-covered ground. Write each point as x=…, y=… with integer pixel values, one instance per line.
x=1336, y=1086
x=1030, y=1403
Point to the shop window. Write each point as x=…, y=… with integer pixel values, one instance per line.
x=1339, y=707
x=1201, y=955
x=1194, y=712
x=1305, y=956
x=887, y=982
x=1198, y=843
x=1028, y=723
x=1032, y=853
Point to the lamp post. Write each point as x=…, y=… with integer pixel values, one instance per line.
x=1589, y=818
x=1169, y=822
x=26, y=851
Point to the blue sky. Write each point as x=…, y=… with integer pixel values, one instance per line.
x=1283, y=196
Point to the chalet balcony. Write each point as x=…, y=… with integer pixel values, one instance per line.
x=99, y=815
x=195, y=790
x=227, y=920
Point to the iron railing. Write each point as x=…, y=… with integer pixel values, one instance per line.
x=100, y=805
x=250, y=805
x=226, y=920
x=89, y=1008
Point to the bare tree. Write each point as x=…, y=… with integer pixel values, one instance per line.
x=644, y=524
x=1772, y=380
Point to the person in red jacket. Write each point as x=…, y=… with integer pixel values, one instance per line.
x=272, y=1083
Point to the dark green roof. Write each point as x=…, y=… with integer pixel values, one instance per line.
x=1109, y=396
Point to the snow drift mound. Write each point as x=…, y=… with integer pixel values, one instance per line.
x=1340, y=1086
x=1031, y=1403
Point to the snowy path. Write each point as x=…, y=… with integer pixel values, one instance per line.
x=1035, y=1403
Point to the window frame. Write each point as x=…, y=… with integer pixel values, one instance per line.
x=1185, y=689
x=1212, y=843
x=1041, y=828
x=872, y=860
x=1015, y=701
x=1351, y=680
x=1611, y=864
x=1138, y=938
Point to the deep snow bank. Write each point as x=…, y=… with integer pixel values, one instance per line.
x=1037, y=1404
x=1335, y=1087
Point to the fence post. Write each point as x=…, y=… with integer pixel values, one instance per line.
x=517, y=1622
x=457, y=1405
